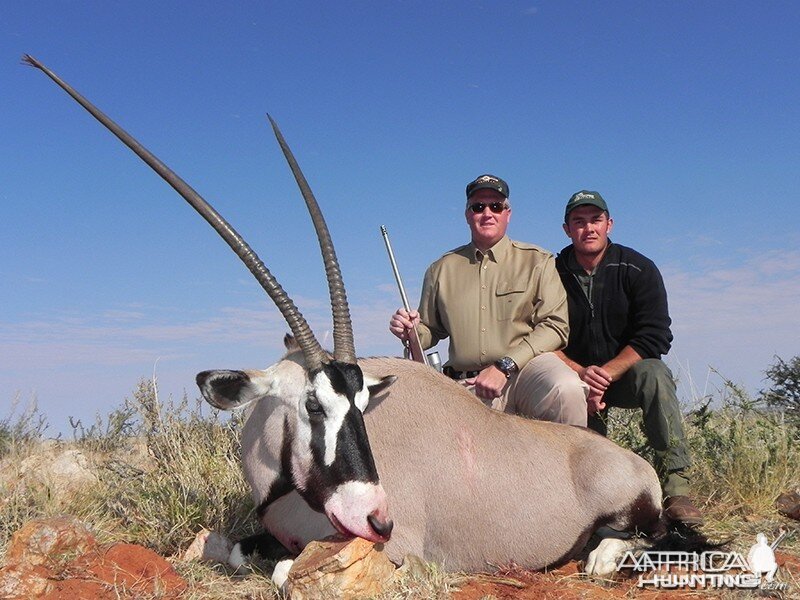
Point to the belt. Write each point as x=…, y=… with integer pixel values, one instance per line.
x=453, y=374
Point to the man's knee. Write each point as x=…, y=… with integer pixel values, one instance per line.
x=571, y=394
x=551, y=393
x=652, y=372
x=647, y=384
x=571, y=390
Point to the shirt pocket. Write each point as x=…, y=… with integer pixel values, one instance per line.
x=509, y=298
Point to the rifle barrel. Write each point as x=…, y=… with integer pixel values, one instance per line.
x=413, y=346
x=396, y=271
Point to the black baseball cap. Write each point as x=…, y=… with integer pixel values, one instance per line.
x=583, y=198
x=487, y=182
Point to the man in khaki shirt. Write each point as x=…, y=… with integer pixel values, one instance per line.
x=504, y=308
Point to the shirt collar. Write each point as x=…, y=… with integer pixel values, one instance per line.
x=572, y=263
x=496, y=253
x=575, y=267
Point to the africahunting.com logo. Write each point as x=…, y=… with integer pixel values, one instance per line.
x=707, y=570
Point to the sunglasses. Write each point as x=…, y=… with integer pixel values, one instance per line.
x=495, y=207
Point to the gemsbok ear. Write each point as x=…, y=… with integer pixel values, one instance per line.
x=290, y=342
x=225, y=389
x=374, y=386
x=377, y=386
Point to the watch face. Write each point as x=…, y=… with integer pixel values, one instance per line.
x=506, y=365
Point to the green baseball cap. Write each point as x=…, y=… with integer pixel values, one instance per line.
x=583, y=198
x=489, y=182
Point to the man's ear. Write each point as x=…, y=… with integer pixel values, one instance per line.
x=565, y=227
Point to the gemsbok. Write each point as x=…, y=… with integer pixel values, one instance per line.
x=468, y=487
x=328, y=459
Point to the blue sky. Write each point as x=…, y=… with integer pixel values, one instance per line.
x=684, y=115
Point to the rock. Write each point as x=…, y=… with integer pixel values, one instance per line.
x=413, y=567
x=137, y=570
x=209, y=546
x=59, y=558
x=24, y=581
x=50, y=542
x=788, y=504
x=63, y=469
x=339, y=568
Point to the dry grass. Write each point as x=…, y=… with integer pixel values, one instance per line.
x=165, y=470
x=745, y=455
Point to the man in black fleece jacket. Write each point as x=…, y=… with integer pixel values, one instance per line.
x=618, y=331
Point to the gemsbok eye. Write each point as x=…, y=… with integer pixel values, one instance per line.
x=313, y=407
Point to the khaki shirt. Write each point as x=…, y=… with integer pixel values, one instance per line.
x=507, y=302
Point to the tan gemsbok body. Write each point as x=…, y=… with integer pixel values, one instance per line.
x=468, y=487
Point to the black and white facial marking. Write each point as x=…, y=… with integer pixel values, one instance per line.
x=333, y=466
x=322, y=444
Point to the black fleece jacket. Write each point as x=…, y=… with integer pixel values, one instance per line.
x=628, y=307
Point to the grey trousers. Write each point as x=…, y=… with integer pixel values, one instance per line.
x=649, y=385
x=545, y=389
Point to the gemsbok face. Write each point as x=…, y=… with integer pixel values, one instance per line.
x=319, y=398
x=320, y=422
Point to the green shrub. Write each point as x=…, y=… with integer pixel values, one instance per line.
x=744, y=454
x=192, y=479
x=785, y=391
x=21, y=430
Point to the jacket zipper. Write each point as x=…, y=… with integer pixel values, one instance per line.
x=589, y=297
x=591, y=325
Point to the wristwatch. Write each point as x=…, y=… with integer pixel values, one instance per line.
x=507, y=366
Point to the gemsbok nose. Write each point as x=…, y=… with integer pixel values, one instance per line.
x=383, y=527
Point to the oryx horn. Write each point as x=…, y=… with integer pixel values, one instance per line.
x=343, y=345
x=305, y=337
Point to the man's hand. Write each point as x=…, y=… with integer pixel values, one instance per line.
x=402, y=322
x=597, y=378
x=594, y=403
x=489, y=383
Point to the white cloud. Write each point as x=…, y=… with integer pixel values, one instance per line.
x=80, y=363
x=734, y=317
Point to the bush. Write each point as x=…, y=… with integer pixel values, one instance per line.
x=743, y=454
x=785, y=391
x=18, y=431
x=164, y=471
x=192, y=479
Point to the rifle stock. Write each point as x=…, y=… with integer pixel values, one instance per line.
x=413, y=346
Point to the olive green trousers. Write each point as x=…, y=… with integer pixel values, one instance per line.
x=649, y=385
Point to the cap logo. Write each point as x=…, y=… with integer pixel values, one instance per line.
x=487, y=181
x=582, y=196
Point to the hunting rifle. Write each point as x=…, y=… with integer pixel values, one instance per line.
x=413, y=346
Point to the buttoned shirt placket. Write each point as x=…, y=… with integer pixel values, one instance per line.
x=484, y=296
